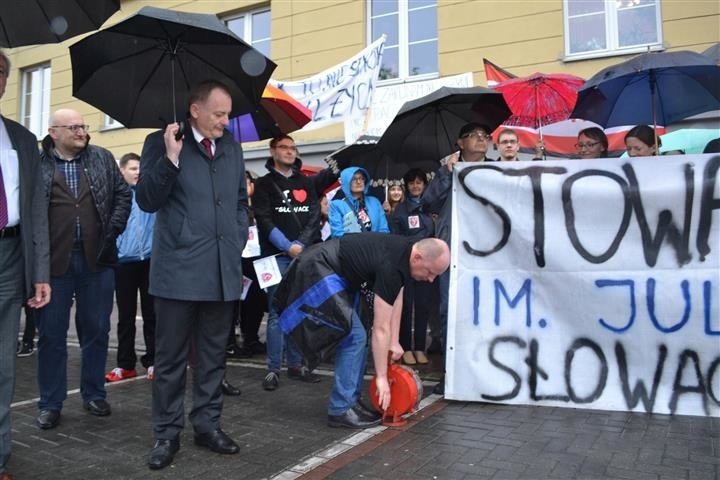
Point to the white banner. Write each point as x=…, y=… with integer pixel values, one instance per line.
x=388, y=99
x=340, y=92
x=588, y=284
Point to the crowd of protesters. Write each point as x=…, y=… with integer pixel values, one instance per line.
x=92, y=229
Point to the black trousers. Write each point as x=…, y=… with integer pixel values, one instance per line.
x=206, y=326
x=252, y=309
x=419, y=298
x=129, y=279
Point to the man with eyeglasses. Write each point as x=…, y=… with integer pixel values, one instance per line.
x=473, y=142
x=287, y=211
x=87, y=204
x=24, y=276
x=508, y=145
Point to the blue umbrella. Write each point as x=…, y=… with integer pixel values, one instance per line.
x=653, y=88
x=714, y=53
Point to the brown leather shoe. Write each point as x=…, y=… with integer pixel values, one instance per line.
x=408, y=358
x=420, y=357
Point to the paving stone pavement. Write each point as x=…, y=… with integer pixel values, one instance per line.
x=283, y=434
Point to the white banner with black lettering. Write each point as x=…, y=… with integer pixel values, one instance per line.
x=341, y=92
x=590, y=284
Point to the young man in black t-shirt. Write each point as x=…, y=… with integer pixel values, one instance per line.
x=325, y=282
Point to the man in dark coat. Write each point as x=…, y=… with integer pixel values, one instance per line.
x=19, y=189
x=197, y=187
x=320, y=292
x=86, y=204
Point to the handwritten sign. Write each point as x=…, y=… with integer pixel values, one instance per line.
x=388, y=99
x=267, y=271
x=341, y=92
x=587, y=284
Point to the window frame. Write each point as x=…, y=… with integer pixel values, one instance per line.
x=26, y=118
x=247, y=16
x=612, y=34
x=404, y=44
x=110, y=123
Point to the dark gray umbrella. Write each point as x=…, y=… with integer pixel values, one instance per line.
x=140, y=70
x=31, y=22
x=426, y=129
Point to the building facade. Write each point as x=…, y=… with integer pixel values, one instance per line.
x=426, y=40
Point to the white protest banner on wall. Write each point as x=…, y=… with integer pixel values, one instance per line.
x=340, y=92
x=587, y=284
x=388, y=99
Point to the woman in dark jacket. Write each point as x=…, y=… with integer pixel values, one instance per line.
x=409, y=219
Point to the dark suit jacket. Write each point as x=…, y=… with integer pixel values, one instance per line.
x=202, y=218
x=36, y=257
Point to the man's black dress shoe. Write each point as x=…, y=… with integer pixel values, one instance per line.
x=353, y=418
x=229, y=390
x=217, y=441
x=163, y=453
x=99, y=408
x=48, y=419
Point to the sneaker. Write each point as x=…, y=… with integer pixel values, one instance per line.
x=25, y=349
x=120, y=374
x=150, y=373
x=302, y=374
x=271, y=381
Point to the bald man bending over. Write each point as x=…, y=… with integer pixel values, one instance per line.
x=326, y=282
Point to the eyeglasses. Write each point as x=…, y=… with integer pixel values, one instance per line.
x=580, y=146
x=358, y=179
x=508, y=142
x=73, y=128
x=478, y=135
x=286, y=148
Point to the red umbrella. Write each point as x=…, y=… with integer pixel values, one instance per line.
x=540, y=99
x=277, y=113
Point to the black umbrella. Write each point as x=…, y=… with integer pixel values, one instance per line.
x=652, y=88
x=140, y=70
x=383, y=169
x=426, y=129
x=31, y=22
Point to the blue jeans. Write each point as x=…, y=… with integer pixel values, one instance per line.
x=276, y=340
x=93, y=292
x=350, y=358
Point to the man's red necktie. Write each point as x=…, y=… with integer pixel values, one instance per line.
x=207, y=144
x=3, y=203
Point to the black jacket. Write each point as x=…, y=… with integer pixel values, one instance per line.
x=286, y=209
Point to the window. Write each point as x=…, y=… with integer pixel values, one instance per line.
x=411, y=48
x=35, y=99
x=611, y=27
x=254, y=28
x=110, y=123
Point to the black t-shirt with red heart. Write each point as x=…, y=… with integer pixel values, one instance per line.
x=289, y=204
